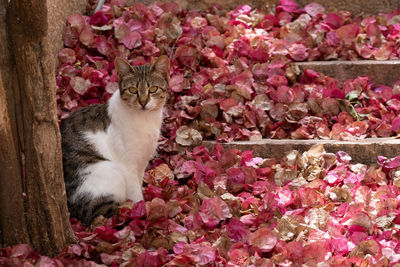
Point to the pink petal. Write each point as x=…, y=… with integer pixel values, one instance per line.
x=348, y=32
x=132, y=40
x=67, y=55
x=396, y=125
x=286, y=5
x=314, y=9
x=264, y=239
x=175, y=83
x=87, y=36
x=80, y=85
x=77, y=22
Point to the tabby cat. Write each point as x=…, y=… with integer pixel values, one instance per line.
x=106, y=147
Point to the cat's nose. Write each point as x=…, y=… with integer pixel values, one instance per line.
x=143, y=103
x=143, y=99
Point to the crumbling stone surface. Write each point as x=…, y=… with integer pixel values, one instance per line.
x=363, y=151
x=381, y=72
x=355, y=6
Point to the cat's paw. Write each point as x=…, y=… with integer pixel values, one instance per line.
x=110, y=211
x=136, y=198
x=98, y=221
x=135, y=194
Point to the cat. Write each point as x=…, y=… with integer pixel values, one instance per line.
x=106, y=147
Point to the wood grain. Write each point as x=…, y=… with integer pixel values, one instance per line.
x=33, y=206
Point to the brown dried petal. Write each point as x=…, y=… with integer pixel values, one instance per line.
x=209, y=111
x=204, y=191
x=314, y=106
x=156, y=209
x=313, y=172
x=263, y=102
x=296, y=112
x=186, y=136
x=105, y=247
x=173, y=208
x=178, y=237
x=314, y=154
x=317, y=218
x=368, y=247
x=283, y=176
x=289, y=226
x=286, y=230
x=340, y=194
x=375, y=175
x=330, y=106
x=169, y=25
x=396, y=177
x=292, y=72
x=385, y=221
x=292, y=158
x=330, y=159
x=162, y=171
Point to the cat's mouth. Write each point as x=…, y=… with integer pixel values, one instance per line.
x=142, y=106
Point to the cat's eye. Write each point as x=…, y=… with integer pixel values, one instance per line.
x=153, y=89
x=132, y=90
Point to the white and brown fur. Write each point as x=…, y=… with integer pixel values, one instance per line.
x=106, y=147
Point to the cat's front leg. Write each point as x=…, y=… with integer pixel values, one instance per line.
x=134, y=188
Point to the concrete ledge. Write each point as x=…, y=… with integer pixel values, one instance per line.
x=354, y=6
x=381, y=72
x=362, y=151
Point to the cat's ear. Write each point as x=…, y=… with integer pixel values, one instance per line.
x=123, y=67
x=161, y=65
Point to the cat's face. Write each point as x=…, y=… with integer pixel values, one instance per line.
x=143, y=87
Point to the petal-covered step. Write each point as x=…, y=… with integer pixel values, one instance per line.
x=363, y=151
x=355, y=6
x=381, y=72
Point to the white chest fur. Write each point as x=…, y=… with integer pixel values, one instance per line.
x=128, y=144
x=133, y=134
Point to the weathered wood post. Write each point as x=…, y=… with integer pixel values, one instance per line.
x=33, y=205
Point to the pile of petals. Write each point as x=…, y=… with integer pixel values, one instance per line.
x=232, y=76
x=228, y=208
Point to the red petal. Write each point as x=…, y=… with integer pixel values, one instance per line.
x=98, y=19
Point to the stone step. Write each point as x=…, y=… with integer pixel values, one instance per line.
x=381, y=72
x=355, y=6
x=363, y=151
